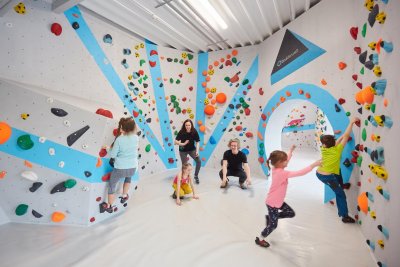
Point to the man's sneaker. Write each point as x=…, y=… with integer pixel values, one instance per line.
x=242, y=185
x=124, y=199
x=348, y=219
x=267, y=219
x=262, y=243
x=196, y=179
x=104, y=207
x=174, y=196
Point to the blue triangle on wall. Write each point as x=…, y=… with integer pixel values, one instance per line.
x=294, y=53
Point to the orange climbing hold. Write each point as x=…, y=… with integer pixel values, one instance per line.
x=301, y=91
x=259, y=136
x=323, y=82
x=199, y=122
x=5, y=132
x=288, y=93
x=204, y=73
x=363, y=202
x=57, y=216
x=202, y=128
x=366, y=95
x=99, y=163
x=385, y=102
x=342, y=65
x=28, y=164
x=234, y=52
x=221, y=98
x=307, y=95
x=209, y=110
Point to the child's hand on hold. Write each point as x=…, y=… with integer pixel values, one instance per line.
x=355, y=119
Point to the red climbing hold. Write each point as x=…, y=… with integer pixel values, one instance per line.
x=105, y=113
x=171, y=160
x=153, y=52
x=238, y=128
x=354, y=32
x=106, y=177
x=247, y=111
x=56, y=29
x=102, y=153
x=135, y=114
x=341, y=101
x=249, y=134
x=261, y=160
x=152, y=63
x=263, y=117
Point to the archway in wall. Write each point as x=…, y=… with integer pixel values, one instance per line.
x=280, y=104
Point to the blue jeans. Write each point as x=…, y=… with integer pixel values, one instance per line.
x=332, y=180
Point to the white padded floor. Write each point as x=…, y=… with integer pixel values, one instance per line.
x=217, y=230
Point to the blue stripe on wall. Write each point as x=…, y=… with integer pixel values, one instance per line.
x=299, y=128
x=229, y=114
x=202, y=64
x=76, y=162
x=90, y=42
x=163, y=115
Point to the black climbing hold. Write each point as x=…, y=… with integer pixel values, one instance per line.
x=36, y=214
x=75, y=25
x=35, y=186
x=135, y=187
x=88, y=173
x=360, y=110
x=347, y=163
x=58, y=188
x=363, y=57
x=71, y=139
x=59, y=112
x=148, y=120
x=337, y=108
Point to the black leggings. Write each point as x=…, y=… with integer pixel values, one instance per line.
x=274, y=215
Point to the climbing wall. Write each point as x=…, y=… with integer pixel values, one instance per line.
x=377, y=56
x=299, y=128
x=56, y=169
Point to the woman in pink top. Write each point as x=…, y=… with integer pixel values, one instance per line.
x=277, y=208
x=183, y=183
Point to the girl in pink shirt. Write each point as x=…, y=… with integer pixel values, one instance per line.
x=277, y=208
x=183, y=184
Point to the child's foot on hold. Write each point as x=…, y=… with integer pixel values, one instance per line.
x=348, y=219
x=106, y=207
x=174, y=196
x=346, y=186
x=124, y=199
x=262, y=242
x=196, y=179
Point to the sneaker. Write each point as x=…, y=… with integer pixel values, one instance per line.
x=174, y=196
x=124, y=199
x=346, y=186
x=266, y=220
x=348, y=219
x=224, y=185
x=242, y=186
x=196, y=179
x=262, y=243
x=104, y=207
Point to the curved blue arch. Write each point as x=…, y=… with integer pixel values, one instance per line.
x=326, y=102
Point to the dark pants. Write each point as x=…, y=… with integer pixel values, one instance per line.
x=238, y=173
x=192, y=154
x=333, y=181
x=274, y=215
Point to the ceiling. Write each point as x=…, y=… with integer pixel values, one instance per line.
x=189, y=25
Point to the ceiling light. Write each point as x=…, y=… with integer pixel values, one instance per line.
x=208, y=12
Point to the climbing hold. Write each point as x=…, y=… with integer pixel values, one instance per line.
x=152, y=63
x=221, y=98
x=249, y=134
x=371, y=244
x=379, y=86
x=105, y=113
x=171, y=160
x=57, y=216
x=60, y=187
x=354, y=32
x=379, y=171
x=25, y=142
x=88, y=173
x=377, y=71
x=209, y=110
x=148, y=147
x=56, y=29
x=366, y=95
x=71, y=139
x=323, y=82
x=372, y=15
x=376, y=155
x=364, y=134
x=202, y=128
x=357, y=49
x=387, y=46
x=70, y=183
x=30, y=175
x=36, y=214
x=342, y=65
x=384, y=231
x=107, y=39
x=35, y=186
x=75, y=25
x=5, y=132
x=21, y=209
x=212, y=140
x=370, y=196
x=59, y=112
x=347, y=163
x=337, y=108
x=362, y=201
x=245, y=151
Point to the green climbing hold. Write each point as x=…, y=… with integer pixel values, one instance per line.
x=178, y=110
x=362, y=71
x=140, y=80
x=348, y=113
x=178, y=81
x=245, y=105
x=373, y=106
x=245, y=81
x=359, y=161
x=171, y=80
x=241, y=100
x=261, y=152
x=175, y=60
x=181, y=61
x=21, y=209
x=145, y=100
x=142, y=61
x=261, y=145
x=366, y=122
x=234, y=60
x=148, y=147
x=238, y=117
x=173, y=98
x=70, y=183
x=364, y=134
x=364, y=30
x=25, y=142
x=241, y=111
x=227, y=79
x=145, y=77
x=176, y=104
x=190, y=56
